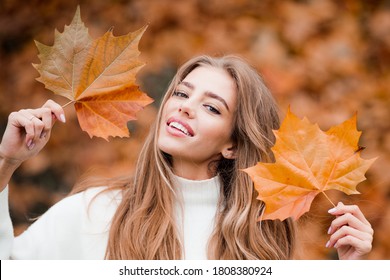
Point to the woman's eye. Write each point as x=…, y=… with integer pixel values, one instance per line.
x=180, y=94
x=213, y=109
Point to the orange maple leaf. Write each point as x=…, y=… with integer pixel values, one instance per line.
x=98, y=76
x=308, y=161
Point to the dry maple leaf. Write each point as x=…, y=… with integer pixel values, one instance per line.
x=308, y=161
x=98, y=76
x=61, y=64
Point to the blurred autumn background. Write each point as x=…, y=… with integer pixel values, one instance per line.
x=327, y=59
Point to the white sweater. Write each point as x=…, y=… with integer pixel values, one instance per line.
x=77, y=227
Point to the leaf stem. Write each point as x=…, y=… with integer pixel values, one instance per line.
x=70, y=102
x=327, y=197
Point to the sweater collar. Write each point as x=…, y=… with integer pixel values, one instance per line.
x=199, y=191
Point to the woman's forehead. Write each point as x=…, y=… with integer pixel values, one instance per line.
x=210, y=76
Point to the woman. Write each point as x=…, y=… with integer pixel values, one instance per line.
x=188, y=198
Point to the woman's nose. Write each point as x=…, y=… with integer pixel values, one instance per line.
x=187, y=108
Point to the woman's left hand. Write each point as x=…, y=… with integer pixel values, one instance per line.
x=350, y=232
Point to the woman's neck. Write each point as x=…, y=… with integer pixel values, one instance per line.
x=192, y=170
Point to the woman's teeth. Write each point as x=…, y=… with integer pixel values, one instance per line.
x=180, y=127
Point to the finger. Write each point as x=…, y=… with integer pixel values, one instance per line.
x=41, y=119
x=345, y=231
x=24, y=119
x=47, y=121
x=363, y=247
x=38, y=127
x=30, y=132
x=56, y=109
x=341, y=209
x=350, y=220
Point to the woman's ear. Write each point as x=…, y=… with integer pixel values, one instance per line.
x=229, y=153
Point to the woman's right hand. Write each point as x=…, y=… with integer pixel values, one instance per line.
x=27, y=132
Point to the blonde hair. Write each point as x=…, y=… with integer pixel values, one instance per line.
x=144, y=226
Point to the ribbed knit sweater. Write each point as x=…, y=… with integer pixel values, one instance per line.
x=77, y=227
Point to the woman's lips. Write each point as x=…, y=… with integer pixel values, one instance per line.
x=179, y=126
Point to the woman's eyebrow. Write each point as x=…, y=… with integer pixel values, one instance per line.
x=215, y=96
x=207, y=93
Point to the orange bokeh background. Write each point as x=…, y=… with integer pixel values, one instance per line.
x=327, y=59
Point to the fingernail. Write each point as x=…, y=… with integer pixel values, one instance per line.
x=62, y=118
x=30, y=144
x=330, y=211
x=327, y=244
x=329, y=230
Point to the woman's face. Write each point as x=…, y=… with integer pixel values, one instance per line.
x=197, y=119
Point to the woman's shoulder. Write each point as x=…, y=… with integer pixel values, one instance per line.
x=94, y=200
x=78, y=221
x=102, y=196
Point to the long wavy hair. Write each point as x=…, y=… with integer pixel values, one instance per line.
x=145, y=227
